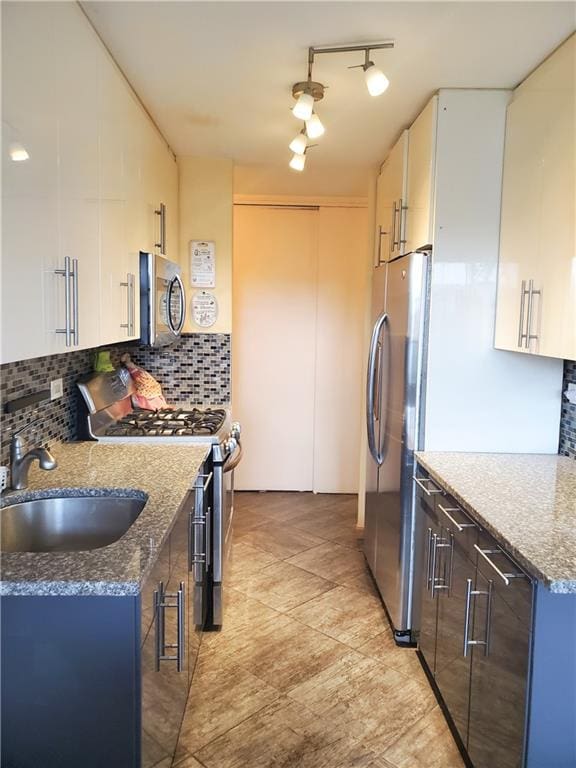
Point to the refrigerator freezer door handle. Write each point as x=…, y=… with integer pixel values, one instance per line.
x=370, y=387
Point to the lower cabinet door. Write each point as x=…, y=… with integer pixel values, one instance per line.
x=456, y=573
x=430, y=527
x=500, y=675
x=165, y=662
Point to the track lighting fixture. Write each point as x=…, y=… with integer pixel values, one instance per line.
x=298, y=162
x=298, y=143
x=308, y=92
x=314, y=127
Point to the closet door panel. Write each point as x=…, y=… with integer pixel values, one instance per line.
x=339, y=381
x=273, y=354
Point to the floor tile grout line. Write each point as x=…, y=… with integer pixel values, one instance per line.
x=240, y=722
x=408, y=728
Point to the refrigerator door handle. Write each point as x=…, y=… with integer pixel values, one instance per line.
x=370, y=387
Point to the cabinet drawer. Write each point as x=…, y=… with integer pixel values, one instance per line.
x=514, y=585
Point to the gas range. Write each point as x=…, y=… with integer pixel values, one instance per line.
x=106, y=413
x=168, y=422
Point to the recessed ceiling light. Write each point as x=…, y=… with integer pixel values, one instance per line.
x=18, y=153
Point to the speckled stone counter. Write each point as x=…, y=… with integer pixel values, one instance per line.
x=164, y=473
x=527, y=502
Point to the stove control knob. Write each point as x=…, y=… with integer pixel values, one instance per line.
x=235, y=429
x=230, y=445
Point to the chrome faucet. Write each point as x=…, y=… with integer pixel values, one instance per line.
x=20, y=461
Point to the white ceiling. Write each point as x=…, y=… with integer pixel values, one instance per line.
x=217, y=76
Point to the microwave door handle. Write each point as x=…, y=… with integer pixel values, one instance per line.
x=234, y=459
x=176, y=280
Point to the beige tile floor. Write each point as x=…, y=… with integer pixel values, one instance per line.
x=305, y=673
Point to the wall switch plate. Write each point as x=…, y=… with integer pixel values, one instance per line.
x=56, y=389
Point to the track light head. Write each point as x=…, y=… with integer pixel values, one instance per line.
x=376, y=80
x=306, y=93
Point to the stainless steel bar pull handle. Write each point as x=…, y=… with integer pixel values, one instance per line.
x=401, y=223
x=428, y=558
x=442, y=543
x=393, y=241
x=470, y=593
x=529, y=335
x=75, y=278
x=66, y=273
x=159, y=629
x=133, y=306
x=378, y=260
x=161, y=212
x=370, y=386
x=523, y=293
x=428, y=491
x=128, y=312
x=459, y=526
x=504, y=576
x=160, y=604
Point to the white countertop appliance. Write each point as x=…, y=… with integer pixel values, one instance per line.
x=106, y=414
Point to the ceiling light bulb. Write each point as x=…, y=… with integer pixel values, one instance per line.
x=298, y=162
x=298, y=144
x=376, y=80
x=314, y=127
x=303, y=107
x=18, y=153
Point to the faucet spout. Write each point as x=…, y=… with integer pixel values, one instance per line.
x=20, y=462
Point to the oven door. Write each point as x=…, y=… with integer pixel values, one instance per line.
x=222, y=529
x=164, y=299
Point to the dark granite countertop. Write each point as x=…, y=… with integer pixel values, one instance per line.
x=526, y=501
x=164, y=473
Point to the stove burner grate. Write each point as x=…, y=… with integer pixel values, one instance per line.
x=168, y=422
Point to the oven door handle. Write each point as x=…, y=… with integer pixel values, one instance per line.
x=235, y=457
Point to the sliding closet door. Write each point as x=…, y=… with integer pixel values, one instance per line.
x=343, y=274
x=273, y=345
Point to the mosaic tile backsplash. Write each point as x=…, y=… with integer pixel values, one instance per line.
x=568, y=420
x=195, y=370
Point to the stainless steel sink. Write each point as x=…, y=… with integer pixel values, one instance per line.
x=64, y=524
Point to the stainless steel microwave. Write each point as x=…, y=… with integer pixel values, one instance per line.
x=162, y=300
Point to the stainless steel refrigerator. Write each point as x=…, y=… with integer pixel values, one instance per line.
x=395, y=398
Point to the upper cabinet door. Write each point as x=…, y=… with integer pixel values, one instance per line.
x=420, y=181
x=29, y=187
x=536, y=311
x=391, y=203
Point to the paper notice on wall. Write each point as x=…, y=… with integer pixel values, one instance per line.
x=202, y=264
x=204, y=309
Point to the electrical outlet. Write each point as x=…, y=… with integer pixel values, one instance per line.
x=56, y=389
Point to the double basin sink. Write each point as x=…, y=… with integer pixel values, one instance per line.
x=85, y=521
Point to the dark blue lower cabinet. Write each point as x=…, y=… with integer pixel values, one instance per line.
x=70, y=682
x=499, y=647
x=100, y=681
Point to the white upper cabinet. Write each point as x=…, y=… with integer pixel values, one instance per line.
x=391, y=203
x=420, y=181
x=78, y=212
x=405, y=189
x=30, y=233
x=536, y=311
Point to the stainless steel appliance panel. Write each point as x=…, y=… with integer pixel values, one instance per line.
x=373, y=393
x=162, y=300
x=401, y=377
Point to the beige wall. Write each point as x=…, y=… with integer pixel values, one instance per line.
x=206, y=186
x=340, y=181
